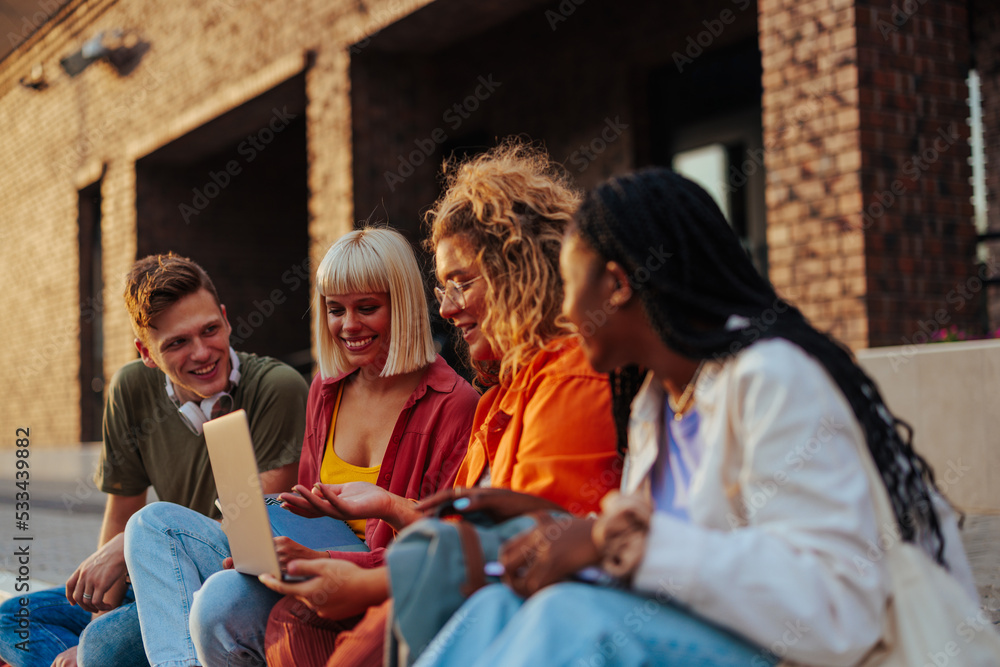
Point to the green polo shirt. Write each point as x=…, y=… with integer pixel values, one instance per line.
x=147, y=444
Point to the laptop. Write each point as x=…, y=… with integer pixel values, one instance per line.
x=247, y=518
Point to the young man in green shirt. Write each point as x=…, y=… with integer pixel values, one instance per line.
x=156, y=405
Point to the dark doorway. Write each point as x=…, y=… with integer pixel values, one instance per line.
x=233, y=196
x=705, y=123
x=91, y=314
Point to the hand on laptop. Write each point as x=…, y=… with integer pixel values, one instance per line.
x=289, y=550
x=338, y=589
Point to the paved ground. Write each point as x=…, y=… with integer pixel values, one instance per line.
x=64, y=516
x=66, y=509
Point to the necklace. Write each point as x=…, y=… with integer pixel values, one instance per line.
x=687, y=397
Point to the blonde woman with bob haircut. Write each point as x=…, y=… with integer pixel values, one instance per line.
x=384, y=413
x=375, y=260
x=496, y=234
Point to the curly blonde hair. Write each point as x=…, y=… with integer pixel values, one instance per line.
x=512, y=205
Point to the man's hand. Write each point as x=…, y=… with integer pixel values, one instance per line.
x=338, y=589
x=497, y=505
x=551, y=551
x=66, y=659
x=99, y=583
x=353, y=500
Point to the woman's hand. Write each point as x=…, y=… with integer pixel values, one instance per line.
x=337, y=590
x=498, y=505
x=289, y=550
x=353, y=500
x=552, y=551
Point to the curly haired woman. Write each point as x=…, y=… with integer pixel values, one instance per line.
x=758, y=454
x=496, y=234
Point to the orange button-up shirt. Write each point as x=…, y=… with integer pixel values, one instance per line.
x=549, y=433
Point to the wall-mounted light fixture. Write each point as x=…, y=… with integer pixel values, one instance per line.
x=36, y=79
x=122, y=49
x=92, y=50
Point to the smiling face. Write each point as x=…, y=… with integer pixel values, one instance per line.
x=455, y=260
x=189, y=342
x=593, y=295
x=360, y=323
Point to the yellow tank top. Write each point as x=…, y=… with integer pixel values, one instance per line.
x=337, y=471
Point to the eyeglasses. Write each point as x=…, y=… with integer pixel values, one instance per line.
x=454, y=292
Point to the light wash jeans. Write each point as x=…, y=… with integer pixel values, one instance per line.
x=54, y=625
x=580, y=625
x=172, y=552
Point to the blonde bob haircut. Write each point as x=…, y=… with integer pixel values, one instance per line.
x=513, y=205
x=375, y=260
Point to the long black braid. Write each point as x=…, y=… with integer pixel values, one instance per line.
x=708, y=278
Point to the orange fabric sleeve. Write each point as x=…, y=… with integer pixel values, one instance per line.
x=567, y=451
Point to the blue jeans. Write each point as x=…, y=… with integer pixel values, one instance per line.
x=229, y=619
x=172, y=552
x=583, y=626
x=54, y=625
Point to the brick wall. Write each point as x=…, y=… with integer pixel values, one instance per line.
x=201, y=60
x=986, y=33
x=869, y=220
x=914, y=142
x=844, y=109
x=813, y=158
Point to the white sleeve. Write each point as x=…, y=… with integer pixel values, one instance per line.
x=804, y=578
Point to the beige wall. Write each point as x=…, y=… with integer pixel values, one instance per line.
x=949, y=393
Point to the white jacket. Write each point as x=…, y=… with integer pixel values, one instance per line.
x=782, y=547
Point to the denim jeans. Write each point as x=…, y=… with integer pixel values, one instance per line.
x=229, y=619
x=580, y=624
x=172, y=552
x=54, y=625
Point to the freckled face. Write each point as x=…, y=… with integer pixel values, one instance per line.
x=455, y=260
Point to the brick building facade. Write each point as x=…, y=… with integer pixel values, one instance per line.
x=249, y=134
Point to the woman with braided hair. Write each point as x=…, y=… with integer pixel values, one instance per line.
x=745, y=531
